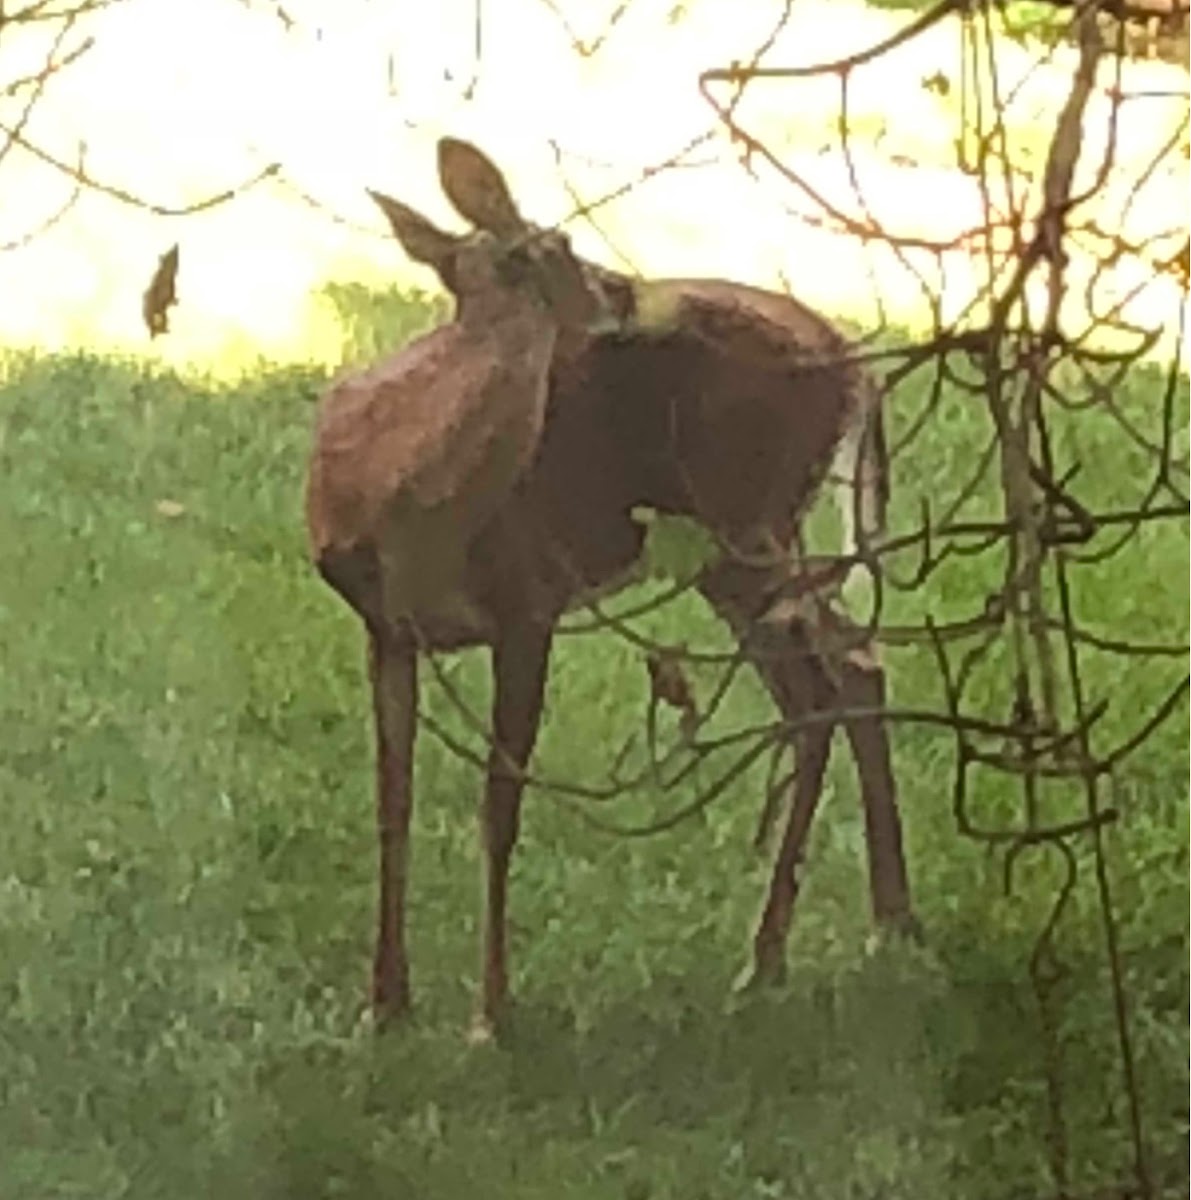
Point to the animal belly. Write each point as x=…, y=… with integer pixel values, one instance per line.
x=423, y=559
x=456, y=622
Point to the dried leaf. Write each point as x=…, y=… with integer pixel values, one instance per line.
x=669, y=685
x=161, y=294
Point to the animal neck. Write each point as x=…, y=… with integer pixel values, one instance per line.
x=518, y=321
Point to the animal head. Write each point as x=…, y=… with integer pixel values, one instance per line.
x=504, y=252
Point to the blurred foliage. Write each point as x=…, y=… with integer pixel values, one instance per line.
x=374, y=320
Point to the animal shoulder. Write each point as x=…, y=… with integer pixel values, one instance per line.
x=424, y=382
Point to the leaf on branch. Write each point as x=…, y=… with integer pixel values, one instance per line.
x=676, y=549
x=161, y=293
x=669, y=685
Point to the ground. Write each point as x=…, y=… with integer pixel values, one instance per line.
x=187, y=880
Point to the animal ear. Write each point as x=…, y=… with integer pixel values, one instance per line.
x=476, y=188
x=420, y=239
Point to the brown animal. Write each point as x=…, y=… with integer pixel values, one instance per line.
x=728, y=407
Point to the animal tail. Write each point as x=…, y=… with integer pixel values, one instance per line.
x=860, y=474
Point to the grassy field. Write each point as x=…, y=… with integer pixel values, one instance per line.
x=186, y=876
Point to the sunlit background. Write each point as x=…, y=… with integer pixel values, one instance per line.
x=181, y=100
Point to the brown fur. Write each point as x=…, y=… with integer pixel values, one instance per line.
x=161, y=294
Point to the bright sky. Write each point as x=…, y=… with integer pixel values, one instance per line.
x=183, y=97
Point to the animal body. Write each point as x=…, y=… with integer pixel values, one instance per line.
x=732, y=409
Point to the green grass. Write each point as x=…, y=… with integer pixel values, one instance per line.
x=1028, y=21
x=186, y=877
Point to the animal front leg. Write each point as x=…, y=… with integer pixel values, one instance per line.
x=520, y=659
x=393, y=666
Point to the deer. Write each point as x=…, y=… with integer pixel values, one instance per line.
x=733, y=407
x=411, y=457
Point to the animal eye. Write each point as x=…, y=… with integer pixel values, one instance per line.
x=515, y=264
x=518, y=257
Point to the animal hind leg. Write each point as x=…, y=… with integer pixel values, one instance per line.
x=863, y=688
x=520, y=661
x=785, y=656
x=799, y=687
x=857, y=685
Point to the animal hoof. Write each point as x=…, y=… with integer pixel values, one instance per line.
x=758, y=977
x=745, y=981
x=904, y=926
x=390, y=1007
x=482, y=1031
